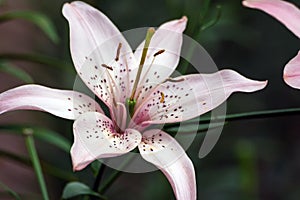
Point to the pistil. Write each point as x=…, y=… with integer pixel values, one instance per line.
x=149, y=35
x=131, y=101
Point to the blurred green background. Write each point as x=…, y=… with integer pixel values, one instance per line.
x=253, y=159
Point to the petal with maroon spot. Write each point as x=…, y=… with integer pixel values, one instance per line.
x=95, y=137
x=189, y=96
x=101, y=55
x=62, y=103
x=162, y=150
x=157, y=68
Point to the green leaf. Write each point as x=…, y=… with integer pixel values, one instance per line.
x=204, y=8
x=40, y=133
x=48, y=168
x=213, y=21
x=75, y=189
x=15, y=71
x=39, y=19
x=2, y=2
x=95, y=166
x=36, y=165
x=40, y=59
x=9, y=190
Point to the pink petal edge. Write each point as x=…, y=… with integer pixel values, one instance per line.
x=95, y=137
x=94, y=42
x=162, y=150
x=62, y=103
x=291, y=73
x=285, y=12
x=167, y=37
x=192, y=96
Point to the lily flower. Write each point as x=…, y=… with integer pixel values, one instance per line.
x=137, y=89
x=289, y=15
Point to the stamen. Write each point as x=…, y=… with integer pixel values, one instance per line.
x=149, y=35
x=111, y=83
x=118, y=52
x=159, y=52
x=162, y=99
x=146, y=73
x=107, y=67
x=173, y=80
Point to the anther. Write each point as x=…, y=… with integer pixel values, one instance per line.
x=107, y=67
x=118, y=52
x=174, y=80
x=159, y=52
x=114, y=102
x=162, y=99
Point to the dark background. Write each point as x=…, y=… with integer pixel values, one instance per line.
x=253, y=159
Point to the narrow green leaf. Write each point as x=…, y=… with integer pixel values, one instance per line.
x=15, y=71
x=75, y=189
x=40, y=59
x=2, y=2
x=48, y=168
x=36, y=165
x=213, y=21
x=204, y=8
x=9, y=190
x=15, y=157
x=52, y=138
x=39, y=19
x=95, y=166
x=40, y=133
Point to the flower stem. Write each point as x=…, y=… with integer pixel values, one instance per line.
x=116, y=174
x=250, y=115
x=99, y=177
x=36, y=164
x=109, y=181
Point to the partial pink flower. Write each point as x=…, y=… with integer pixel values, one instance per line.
x=106, y=63
x=289, y=15
x=291, y=73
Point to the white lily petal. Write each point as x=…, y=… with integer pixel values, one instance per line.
x=120, y=116
x=291, y=73
x=189, y=96
x=62, y=103
x=103, y=65
x=168, y=37
x=96, y=137
x=160, y=149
